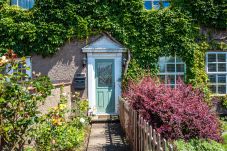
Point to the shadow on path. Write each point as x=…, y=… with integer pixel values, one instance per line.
x=107, y=137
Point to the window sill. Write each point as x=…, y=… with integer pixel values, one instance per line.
x=218, y=94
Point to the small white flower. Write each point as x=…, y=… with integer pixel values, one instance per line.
x=90, y=112
x=94, y=109
x=39, y=74
x=82, y=120
x=3, y=57
x=64, y=94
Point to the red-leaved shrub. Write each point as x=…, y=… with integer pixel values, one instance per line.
x=179, y=113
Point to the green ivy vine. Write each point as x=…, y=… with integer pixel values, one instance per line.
x=211, y=13
x=147, y=34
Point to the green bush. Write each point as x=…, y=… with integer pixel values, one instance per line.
x=54, y=132
x=225, y=141
x=224, y=101
x=223, y=121
x=19, y=99
x=81, y=106
x=198, y=145
x=62, y=137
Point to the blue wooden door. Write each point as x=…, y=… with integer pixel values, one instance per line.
x=104, y=75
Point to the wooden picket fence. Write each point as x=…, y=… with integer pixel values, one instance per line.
x=141, y=135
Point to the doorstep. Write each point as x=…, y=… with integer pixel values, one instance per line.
x=104, y=118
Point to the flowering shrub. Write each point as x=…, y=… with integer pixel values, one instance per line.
x=18, y=102
x=62, y=136
x=81, y=106
x=54, y=132
x=178, y=113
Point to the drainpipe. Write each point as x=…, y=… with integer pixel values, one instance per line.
x=127, y=63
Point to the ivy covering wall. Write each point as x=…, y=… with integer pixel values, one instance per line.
x=211, y=13
x=147, y=34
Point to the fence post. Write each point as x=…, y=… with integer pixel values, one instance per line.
x=154, y=140
x=164, y=145
x=134, y=130
x=170, y=147
x=140, y=133
x=151, y=137
x=143, y=133
x=159, y=142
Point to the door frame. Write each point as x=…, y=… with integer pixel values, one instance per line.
x=91, y=57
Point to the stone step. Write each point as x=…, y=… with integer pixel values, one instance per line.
x=104, y=118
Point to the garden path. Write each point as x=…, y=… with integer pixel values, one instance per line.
x=107, y=137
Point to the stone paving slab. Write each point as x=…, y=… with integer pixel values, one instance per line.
x=107, y=137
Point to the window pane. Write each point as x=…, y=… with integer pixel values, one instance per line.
x=161, y=67
x=212, y=67
x=170, y=67
x=156, y=4
x=172, y=86
x=166, y=4
x=212, y=88
x=222, y=67
x=162, y=59
x=171, y=79
x=178, y=59
x=147, y=5
x=162, y=78
x=180, y=77
x=27, y=4
x=212, y=78
x=170, y=59
x=22, y=3
x=180, y=67
x=221, y=89
x=211, y=57
x=31, y=3
x=13, y=2
x=104, y=74
x=21, y=68
x=221, y=78
x=221, y=58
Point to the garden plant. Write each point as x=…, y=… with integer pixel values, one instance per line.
x=55, y=131
x=179, y=113
x=21, y=123
x=19, y=98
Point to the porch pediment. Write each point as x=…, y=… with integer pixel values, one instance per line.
x=104, y=44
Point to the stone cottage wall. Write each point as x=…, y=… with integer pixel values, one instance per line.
x=65, y=64
x=53, y=100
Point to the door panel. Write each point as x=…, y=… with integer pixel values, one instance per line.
x=104, y=76
x=100, y=98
